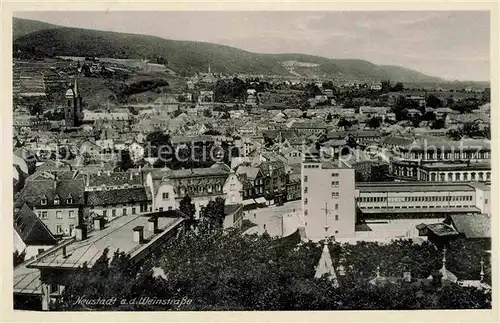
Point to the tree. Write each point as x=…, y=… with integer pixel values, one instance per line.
x=125, y=161
x=225, y=270
x=429, y=116
x=433, y=101
x=374, y=122
x=187, y=207
x=207, y=113
x=159, y=144
x=438, y=124
x=454, y=134
x=470, y=129
x=344, y=123
x=36, y=109
x=386, y=86
x=213, y=215
x=398, y=87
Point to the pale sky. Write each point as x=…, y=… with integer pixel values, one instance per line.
x=448, y=44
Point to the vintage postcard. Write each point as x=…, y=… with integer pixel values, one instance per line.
x=251, y=160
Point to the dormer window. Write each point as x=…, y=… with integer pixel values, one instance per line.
x=69, y=200
x=44, y=200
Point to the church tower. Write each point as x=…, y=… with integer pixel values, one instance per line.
x=73, y=110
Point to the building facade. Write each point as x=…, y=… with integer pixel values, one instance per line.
x=57, y=199
x=201, y=184
x=464, y=161
x=420, y=199
x=328, y=199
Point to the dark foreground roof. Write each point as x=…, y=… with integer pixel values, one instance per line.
x=31, y=229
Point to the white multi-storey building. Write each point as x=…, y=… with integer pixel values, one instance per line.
x=328, y=199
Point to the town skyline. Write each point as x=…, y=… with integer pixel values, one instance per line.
x=453, y=45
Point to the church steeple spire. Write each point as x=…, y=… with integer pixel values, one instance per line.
x=209, y=69
x=325, y=266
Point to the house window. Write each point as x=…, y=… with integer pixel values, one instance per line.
x=305, y=212
x=104, y=213
x=336, y=231
x=485, y=201
x=164, y=195
x=335, y=174
x=124, y=211
x=56, y=200
x=71, y=214
x=44, y=201
x=71, y=228
x=54, y=288
x=113, y=213
x=69, y=200
x=335, y=195
x=58, y=214
x=336, y=206
x=59, y=229
x=231, y=186
x=305, y=189
x=161, y=209
x=336, y=217
x=305, y=201
x=45, y=215
x=335, y=184
x=170, y=208
x=133, y=210
x=305, y=179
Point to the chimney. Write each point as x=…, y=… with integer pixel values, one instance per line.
x=64, y=252
x=407, y=276
x=80, y=233
x=153, y=224
x=98, y=224
x=138, y=232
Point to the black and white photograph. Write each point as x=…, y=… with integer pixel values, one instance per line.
x=194, y=160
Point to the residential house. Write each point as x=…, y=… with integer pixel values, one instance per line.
x=307, y=128
x=472, y=227
x=233, y=189
x=441, y=113
x=203, y=185
x=114, y=203
x=252, y=175
x=412, y=113
x=108, y=180
x=206, y=97
x=166, y=105
x=294, y=186
x=369, y=111
x=57, y=199
x=275, y=179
